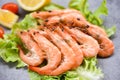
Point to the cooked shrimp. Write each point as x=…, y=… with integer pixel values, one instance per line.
x=62, y=18
x=68, y=61
x=97, y=29
x=35, y=56
x=88, y=45
x=73, y=20
x=106, y=45
x=52, y=53
x=78, y=20
x=52, y=21
x=47, y=14
x=73, y=44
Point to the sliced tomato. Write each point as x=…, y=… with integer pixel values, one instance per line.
x=13, y=7
x=1, y=32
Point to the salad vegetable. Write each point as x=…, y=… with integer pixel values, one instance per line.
x=9, y=50
x=93, y=17
x=13, y=7
x=1, y=32
x=52, y=6
x=87, y=71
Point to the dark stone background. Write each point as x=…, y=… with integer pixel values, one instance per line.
x=110, y=66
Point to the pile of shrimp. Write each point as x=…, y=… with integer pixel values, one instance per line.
x=63, y=39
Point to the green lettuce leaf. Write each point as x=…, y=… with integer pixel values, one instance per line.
x=26, y=23
x=111, y=31
x=52, y=6
x=95, y=16
x=36, y=76
x=92, y=17
x=80, y=5
x=9, y=50
x=86, y=71
x=8, y=46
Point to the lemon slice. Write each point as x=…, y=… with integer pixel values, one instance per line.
x=7, y=18
x=32, y=5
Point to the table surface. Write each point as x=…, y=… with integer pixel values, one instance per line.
x=110, y=66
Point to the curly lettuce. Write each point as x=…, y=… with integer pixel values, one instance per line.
x=36, y=76
x=52, y=6
x=26, y=23
x=86, y=71
x=93, y=17
x=111, y=31
x=9, y=51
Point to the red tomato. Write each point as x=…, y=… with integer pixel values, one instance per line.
x=1, y=32
x=11, y=7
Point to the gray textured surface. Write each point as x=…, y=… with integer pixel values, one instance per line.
x=110, y=66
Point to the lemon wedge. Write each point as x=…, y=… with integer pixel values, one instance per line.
x=32, y=5
x=7, y=18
